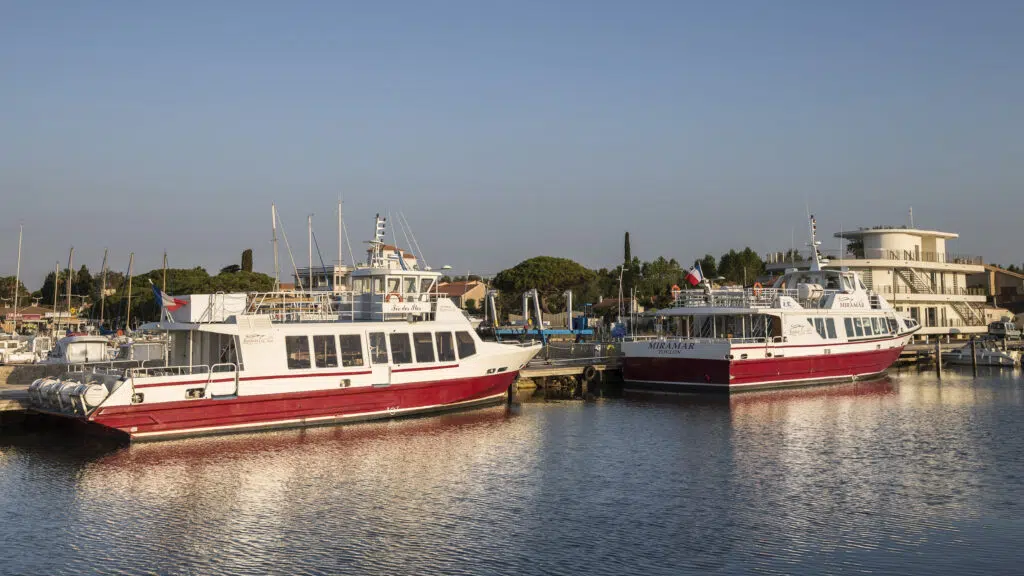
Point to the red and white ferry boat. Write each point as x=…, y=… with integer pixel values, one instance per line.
x=392, y=346
x=810, y=326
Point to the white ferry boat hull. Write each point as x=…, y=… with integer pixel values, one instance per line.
x=680, y=374
x=298, y=409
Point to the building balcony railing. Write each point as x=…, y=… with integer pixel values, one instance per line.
x=948, y=291
x=785, y=257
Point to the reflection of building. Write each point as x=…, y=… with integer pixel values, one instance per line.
x=1004, y=288
x=913, y=270
x=462, y=292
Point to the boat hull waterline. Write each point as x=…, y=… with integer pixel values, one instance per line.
x=186, y=418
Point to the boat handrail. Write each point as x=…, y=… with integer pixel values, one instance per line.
x=746, y=298
x=342, y=306
x=165, y=371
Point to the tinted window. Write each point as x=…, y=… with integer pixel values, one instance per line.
x=445, y=347
x=378, y=348
x=819, y=325
x=467, y=347
x=867, y=327
x=298, y=351
x=849, y=327
x=324, y=351
x=424, y=344
x=351, y=350
x=831, y=325
x=401, y=350
x=892, y=326
x=858, y=327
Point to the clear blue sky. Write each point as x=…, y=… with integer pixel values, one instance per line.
x=504, y=130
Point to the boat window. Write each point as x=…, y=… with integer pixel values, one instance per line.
x=830, y=325
x=361, y=285
x=298, y=351
x=819, y=325
x=401, y=350
x=847, y=283
x=858, y=327
x=351, y=350
x=860, y=284
x=424, y=346
x=467, y=346
x=832, y=281
x=868, y=330
x=394, y=284
x=378, y=348
x=876, y=325
x=378, y=285
x=445, y=347
x=410, y=285
x=325, y=352
x=893, y=326
x=848, y=322
x=426, y=285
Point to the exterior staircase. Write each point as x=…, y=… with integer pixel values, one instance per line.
x=919, y=284
x=971, y=315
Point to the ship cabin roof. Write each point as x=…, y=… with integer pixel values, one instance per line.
x=840, y=281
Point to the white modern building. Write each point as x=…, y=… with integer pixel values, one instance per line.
x=913, y=270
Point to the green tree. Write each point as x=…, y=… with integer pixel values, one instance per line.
x=231, y=269
x=549, y=275
x=82, y=284
x=471, y=306
x=7, y=292
x=247, y=260
x=741, y=267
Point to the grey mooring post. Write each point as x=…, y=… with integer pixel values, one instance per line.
x=974, y=356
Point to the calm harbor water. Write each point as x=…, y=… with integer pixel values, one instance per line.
x=904, y=475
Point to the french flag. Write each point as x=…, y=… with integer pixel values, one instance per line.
x=170, y=303
x=694, y=276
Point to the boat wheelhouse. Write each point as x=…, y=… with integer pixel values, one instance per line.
x=392, y=346
x=808, y=326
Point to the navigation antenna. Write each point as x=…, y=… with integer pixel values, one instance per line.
x=817, y=260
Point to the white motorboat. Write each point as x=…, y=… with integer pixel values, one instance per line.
x=987, y=353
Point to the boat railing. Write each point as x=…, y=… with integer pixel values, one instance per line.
x=164, y=371
x=341, y=306
x=747, y=298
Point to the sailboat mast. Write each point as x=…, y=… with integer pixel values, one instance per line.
x=128, y=314
x=56, y=290
x=273, y=228
x=71, y=256
x=164, y=287
x=17, y=278
x=339, y=233
x=103, y=286
x=310, y=227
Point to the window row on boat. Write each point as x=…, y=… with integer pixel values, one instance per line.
x=329, y=350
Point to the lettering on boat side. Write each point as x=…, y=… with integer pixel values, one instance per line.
x=670, y=347
x=845, y=301
x=251, y=339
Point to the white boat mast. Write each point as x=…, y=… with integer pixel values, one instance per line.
x=103, y=286
x=70, y=257
x=339, y=233
x=816, y=259
x=309, y=226
x=273, y=235
x=17, y=278
x=56, y=290
x=128, y=314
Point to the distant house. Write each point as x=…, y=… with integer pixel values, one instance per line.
x=1002, y=287
x=461, y=292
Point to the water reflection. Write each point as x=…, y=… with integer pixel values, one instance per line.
x=900, y=475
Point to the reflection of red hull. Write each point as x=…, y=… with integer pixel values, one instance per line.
x=195, y=417
x=678, y=374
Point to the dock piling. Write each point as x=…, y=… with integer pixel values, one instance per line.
x=938, y=358
x=974, y=357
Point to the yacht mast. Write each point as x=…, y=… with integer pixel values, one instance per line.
x=273, y=228
x=70, y=257
x=309, y=225
x=56, y=290
x=103, y=286
x=128, y=314
x=17, y=278
x=339, y=233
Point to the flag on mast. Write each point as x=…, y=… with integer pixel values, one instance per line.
x=694, y=276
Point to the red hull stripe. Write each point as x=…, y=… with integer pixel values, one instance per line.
x=738, y=373
x=317, y=405
x=255, y=378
